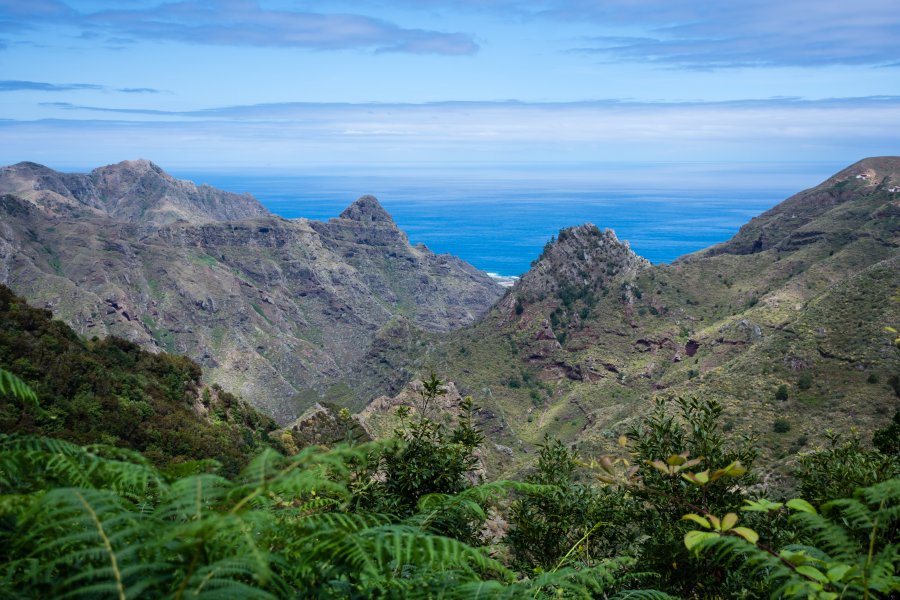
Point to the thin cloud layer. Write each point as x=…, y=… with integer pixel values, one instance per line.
x=12, y=85
x=713, y=34
x=483, y=133
x=40, y=86
x=240, y=23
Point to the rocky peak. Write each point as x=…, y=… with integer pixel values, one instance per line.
x=367, y=209
x=581, y=256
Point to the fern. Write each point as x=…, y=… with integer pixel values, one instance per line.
x=90, y=542
x=28, y=462
x=850, y=549
x=12, y=386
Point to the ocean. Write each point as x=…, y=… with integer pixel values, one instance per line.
x=500, y=224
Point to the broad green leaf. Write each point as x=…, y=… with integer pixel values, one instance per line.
x=837, y=572
x=676, y=459
x=697, y=478
x=746, y=533
x=735, y=469
x=692, y=538
x=812, y=573
x=697, y=519
x=801, y=505
x=729, y=521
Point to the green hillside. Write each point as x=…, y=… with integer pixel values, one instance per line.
x=111, y=392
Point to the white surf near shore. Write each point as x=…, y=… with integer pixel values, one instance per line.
x=504, y=280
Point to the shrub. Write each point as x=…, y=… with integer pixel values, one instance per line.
x=781, y=393
x=781, y=426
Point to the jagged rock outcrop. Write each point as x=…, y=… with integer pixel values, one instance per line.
x=323, y=424
x=279, y=311
x=581, y=256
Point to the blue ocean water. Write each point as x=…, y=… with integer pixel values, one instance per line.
x=501, y=224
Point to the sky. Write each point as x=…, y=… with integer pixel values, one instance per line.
x=297, y=86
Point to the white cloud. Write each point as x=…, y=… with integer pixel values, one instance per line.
x=297, y=134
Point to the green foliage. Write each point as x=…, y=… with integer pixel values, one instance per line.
x=283, y=527
x=687, y=465
x=805, y=381
x=887, y=439
x=848, y=550
x=838, y=470
x=12, y=386
x=564, y=521
x=781, y=393
x=111, y=391
x=781, y=426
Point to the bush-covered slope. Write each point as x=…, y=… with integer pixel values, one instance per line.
x=110, y=391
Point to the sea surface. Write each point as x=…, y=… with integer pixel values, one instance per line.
x=500, y=224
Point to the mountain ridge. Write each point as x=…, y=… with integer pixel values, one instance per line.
x=136, y=191
x=277, y=310
x=587, y=340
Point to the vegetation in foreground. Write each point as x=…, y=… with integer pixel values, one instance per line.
x=672, y=513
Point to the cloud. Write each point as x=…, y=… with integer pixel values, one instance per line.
x=245, y=23
x=40, y=86
x=712, y=34
x=295, y=135
x=11, y=85
x=761, y=33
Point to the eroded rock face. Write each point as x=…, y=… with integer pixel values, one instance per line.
x=279, y=311
x=582, y=256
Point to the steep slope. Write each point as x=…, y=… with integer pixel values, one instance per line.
x=279, y=311
x=112, y=392
x=592, y=333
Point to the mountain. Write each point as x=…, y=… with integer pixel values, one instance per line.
x=133, y=191
x=798, y=299
x=279, y=311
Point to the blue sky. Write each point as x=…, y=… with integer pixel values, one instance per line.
x=372, y=84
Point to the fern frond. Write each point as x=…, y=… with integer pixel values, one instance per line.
x=91, y=541
x=29, y=462
x=10, y=385
x=190, y=498
x=642, y=595
x=226, y=579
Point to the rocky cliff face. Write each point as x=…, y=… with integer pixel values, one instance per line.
x=279, y=311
